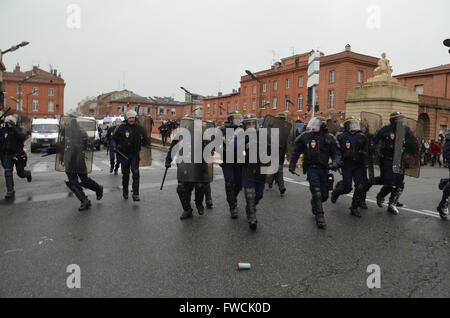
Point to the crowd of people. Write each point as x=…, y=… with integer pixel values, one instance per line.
x=432, y=151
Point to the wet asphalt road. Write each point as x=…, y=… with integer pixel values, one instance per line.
x=127, y=249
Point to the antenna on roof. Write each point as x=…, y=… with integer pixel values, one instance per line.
x=293, y=50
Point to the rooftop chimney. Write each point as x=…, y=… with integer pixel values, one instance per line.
x=348, y=48
x=17, y=68
x=219, y=94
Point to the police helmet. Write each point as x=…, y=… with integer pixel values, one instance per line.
x=352, y=123
x=395, y=116
x=281, y=116
x=250, y=119
x=189, y=117
x=235, y=118
x=11, y=119
x=317, y=124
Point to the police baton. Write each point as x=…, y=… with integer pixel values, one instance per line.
x=164, y=178
x=126, y=158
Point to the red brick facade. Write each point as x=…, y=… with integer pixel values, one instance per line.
x=42, y=95
x=284, y=88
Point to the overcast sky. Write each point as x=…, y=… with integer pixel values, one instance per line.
x=205, y=45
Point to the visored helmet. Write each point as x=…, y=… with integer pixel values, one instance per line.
x=11, y=119
x=317, y=124
x=250, y=119
x=281, y=116
x=352, y=123
x=189, y=117
x=395, y=116
x=235, y=118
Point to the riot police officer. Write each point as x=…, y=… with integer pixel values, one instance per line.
x=232, y=170
x=317, y=146
x=190, y=175
x=12, y=140
x=73, y=146
x=393, y=183
x=129, y=138
x=353, y=146
x=444, y=184
x=279, y=177
x=111, y=144
x=252, y=179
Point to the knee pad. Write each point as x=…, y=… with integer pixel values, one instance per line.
x=316, y=194
x=180, y=188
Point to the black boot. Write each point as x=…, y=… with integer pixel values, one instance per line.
x=85, y=203
x=99, y=192
x=337, y=191
x=28, y=175
x=250, y=198
x=125, y=182
x=209, y=203
x=357, y=199
x=443, y=205
x=231, y=198
x=185, y=198
x=385, y=190
x=9, y=179
x=393, y=199
x=94, y=186
x=199, y=193
x=318, y=208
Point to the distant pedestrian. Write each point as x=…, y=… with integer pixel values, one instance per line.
x=436, y=150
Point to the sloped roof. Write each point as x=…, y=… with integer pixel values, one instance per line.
x=436, y=69
x=40, y=75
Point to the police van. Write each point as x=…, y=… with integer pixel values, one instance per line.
x=96, y=136
x=44, y=133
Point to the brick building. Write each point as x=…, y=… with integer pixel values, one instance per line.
x=433, y=86
x=35, y=93
x=284, y=87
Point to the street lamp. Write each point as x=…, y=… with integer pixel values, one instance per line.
x=253, y=76
x=190, y=94
x=447, y=43
x=16, y=47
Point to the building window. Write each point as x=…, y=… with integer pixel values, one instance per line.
x=35, y=105
x=245, y=90
x=51, y=106
x=300, y=102
x=332, y=76
x=19, y=89
x=208, y=107
x=419, y=89
x=254, y=104
x=228, y=108
x=264, y=87
x=331, y=95
x=288, y=83
x=51, y=92
x=254, y=89
x=35, y=91
x=300, y=81
x=220, y=108
x=275, y=85
x=149, y=110
x=286, y=103
x=236, y=105
x=160, y=110
x=244, y=107
x=214, y=108
x=274, y=103
x=264, y=102
x=174, y=111
x=360, y=76
x=19, y=104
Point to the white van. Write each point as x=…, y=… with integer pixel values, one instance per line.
x=44, y=133
x=97, y=143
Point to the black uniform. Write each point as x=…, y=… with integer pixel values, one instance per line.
x=393, y=183
x=111, y=144
x=232, y=171
x=12, y=154
x=317, y=148
x=184, y=188
x=444, y=185
x=353, y=147
x=129, y=139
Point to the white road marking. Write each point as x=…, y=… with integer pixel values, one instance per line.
x=41, y=167
x=425, y=212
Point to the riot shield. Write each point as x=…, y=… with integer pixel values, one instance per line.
x=333, y=125
x=194, y=172
x=370, y=124
x=291, y=139
x=75, y=148
x=145, y=155
x=407, y=152
x=284, y=142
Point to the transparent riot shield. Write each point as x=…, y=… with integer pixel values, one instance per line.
x=370, y=124
x=333, y=125
x=145, y=155
x=409, y=133
x=75, y=148
x=193, y=172
x=284, y=143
